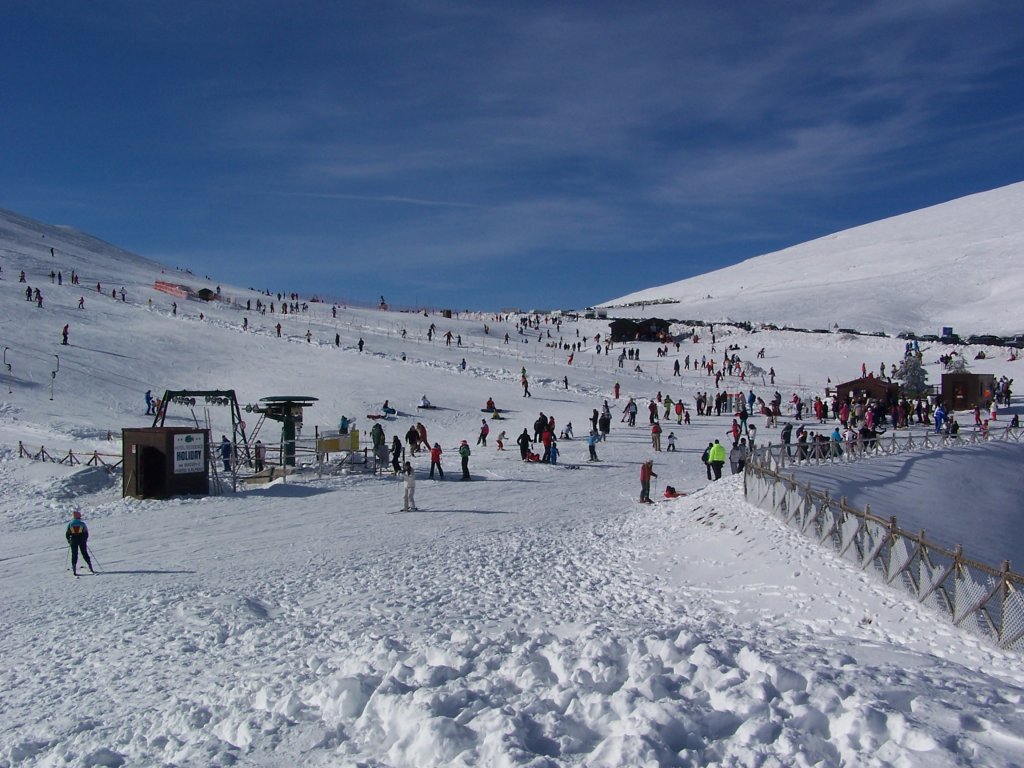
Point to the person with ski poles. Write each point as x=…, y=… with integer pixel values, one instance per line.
x=77, y=535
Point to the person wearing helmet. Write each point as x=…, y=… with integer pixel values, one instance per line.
x=77, y=534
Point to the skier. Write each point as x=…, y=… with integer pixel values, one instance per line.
x=671, y=441
x=360, y=345
x=64, y=335
x=646, y=473
x=77, y=534
x=409, y=477
x=526, y=385
x=629, y=413
x=592, y=441
x=484, y=431
x=149, y=403
x=464, y=453
x=501, y=440
x=435, y=461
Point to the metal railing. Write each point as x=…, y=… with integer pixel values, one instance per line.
x=974, y=596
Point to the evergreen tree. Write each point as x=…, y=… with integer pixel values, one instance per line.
x=913, y=375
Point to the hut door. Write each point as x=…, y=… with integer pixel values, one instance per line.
x=151, y=473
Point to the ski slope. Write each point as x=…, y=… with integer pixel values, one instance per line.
x=952, y=265
x=535, y=616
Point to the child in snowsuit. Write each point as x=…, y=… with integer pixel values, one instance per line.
x=77, y=535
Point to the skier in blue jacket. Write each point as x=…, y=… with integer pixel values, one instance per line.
x=77, y=534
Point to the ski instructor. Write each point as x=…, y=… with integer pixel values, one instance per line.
x=77, y=535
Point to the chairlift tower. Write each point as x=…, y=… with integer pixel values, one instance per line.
x=286, y=409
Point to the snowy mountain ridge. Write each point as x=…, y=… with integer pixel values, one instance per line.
x=956, y=264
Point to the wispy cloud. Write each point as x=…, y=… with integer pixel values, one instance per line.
x=379, y=199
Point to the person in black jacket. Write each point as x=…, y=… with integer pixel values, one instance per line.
x=524, y=443
x=77, y=535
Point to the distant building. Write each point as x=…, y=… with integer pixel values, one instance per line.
x=653, y=329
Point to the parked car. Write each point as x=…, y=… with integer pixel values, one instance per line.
x=986, y=339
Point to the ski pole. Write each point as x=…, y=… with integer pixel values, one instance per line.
x=69, y=560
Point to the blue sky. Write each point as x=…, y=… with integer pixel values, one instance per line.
x=494, y=154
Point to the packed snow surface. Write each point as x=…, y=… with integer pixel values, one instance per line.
x=534, y=616
x=953, y=265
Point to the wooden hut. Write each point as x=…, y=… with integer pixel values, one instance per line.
x=883, y=391
x=965, y=391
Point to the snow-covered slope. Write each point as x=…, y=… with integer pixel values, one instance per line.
x=535, y=616
x=958, y=264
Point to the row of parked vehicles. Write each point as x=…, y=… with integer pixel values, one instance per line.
x=987, y=340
